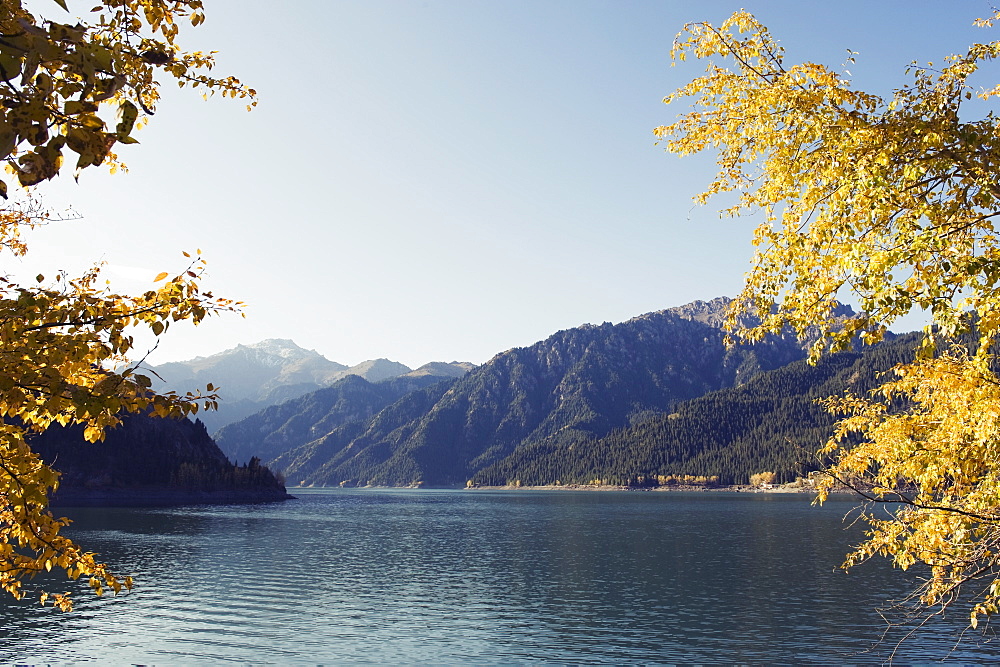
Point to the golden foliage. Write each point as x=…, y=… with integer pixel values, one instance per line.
x=940, y=459
x=893, y=201
x=65, y=344
x=762, y=478
x=64, y=351
x=57, y=79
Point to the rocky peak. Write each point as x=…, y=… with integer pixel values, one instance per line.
x=712, y=313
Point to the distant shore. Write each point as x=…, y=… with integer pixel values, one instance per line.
x=736, y=488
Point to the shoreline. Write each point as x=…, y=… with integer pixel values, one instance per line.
x=687, y=488
x=736, y=488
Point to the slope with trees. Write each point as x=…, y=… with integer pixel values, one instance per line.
x=270, y=432
x=771, y=423
x=586, y=381
x=151, y=461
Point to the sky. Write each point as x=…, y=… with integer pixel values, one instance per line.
x=445, y=180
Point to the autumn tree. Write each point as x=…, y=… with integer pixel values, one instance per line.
x=78, y=88
x=892, y=201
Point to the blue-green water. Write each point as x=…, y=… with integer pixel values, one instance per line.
x=391, y=576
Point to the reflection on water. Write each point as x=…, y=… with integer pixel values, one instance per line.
x=458, y=577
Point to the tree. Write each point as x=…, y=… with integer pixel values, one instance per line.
x=56, y=79
x=893, y=201
x=66, y=344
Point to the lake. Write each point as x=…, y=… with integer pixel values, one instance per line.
x=406, y=576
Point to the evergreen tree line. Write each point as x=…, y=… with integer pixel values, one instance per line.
x=770, y=423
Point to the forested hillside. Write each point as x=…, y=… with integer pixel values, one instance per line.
x=770, y=423
x=580, y=384
x=279, y=428
x=151, y=461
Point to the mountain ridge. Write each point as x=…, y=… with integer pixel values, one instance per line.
x=252, y=377
x=585, y=380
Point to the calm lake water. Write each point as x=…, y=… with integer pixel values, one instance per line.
x=392, y=576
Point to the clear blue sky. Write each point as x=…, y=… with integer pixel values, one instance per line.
x=445, y=180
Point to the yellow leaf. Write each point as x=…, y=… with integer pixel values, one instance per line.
x=64, y=350
x=890, y=202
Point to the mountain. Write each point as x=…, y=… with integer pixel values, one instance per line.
x=442, y=369
x=150, y=461
x=252, y=377
x=770, y=423
x=375, y=370
x=252, y=371
x=580, y=383
x=278, y=428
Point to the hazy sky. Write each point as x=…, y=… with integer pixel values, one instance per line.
x=445, y=180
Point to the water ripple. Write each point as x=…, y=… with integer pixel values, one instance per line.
x=452, y=577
